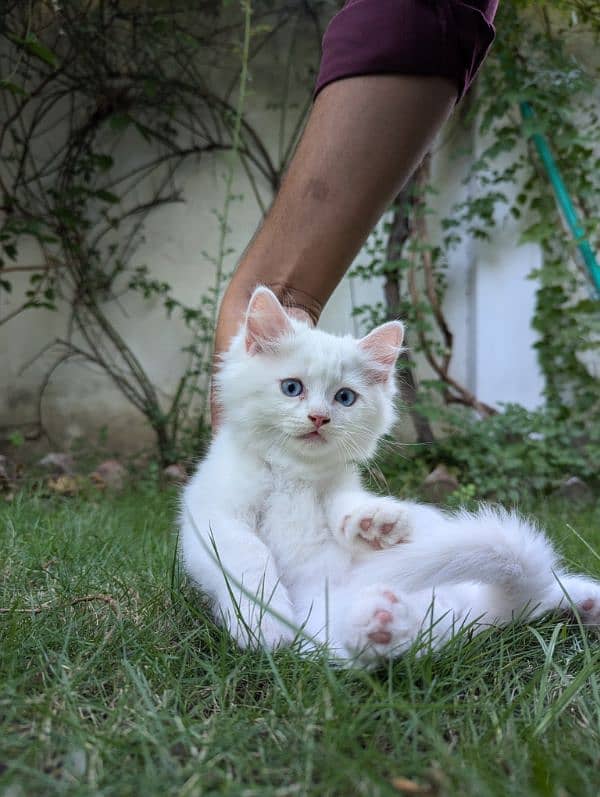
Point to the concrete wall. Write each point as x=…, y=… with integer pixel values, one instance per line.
x=489, y=301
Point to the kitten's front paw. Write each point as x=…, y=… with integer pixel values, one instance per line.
x=380, y=523
x=255, y=630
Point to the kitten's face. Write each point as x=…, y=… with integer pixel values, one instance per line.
x=298, y=395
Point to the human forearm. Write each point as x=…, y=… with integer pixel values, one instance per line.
x=363, y=139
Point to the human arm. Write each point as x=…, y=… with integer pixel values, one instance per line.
x=391, y=73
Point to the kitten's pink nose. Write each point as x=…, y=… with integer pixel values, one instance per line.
x=319, y=420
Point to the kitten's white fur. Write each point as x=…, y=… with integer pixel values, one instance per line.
x=278, y=530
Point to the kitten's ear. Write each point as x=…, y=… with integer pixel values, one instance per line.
x=383, y=345
x=266, y=321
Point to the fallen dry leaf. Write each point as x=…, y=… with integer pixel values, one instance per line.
x=65, y=485
x=410, y=787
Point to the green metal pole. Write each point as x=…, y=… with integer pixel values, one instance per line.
x=564, y=200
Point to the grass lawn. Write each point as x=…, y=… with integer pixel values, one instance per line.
x=119, y=684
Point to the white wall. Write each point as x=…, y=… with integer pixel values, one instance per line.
x=489, y=301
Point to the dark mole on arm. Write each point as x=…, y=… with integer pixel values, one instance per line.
x=317, y=189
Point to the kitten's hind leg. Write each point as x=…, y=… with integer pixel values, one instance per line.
x=379, y=624
x=577, y=592
x=382, y=622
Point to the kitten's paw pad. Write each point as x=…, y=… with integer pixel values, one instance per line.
x=381, y=624
x=589, y=610
x=380, y=524
x=583, y=594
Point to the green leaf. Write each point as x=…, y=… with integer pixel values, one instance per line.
x=104, y=162
x=16, y=439
x=14, y=88
x=10, y=251
x=107, y=196
x=119, y=121
x=34, y=46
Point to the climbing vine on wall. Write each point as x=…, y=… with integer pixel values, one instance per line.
x=530, y=62
x=78, y=77
x=90, y=73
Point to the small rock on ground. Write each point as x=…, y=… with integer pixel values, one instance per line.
x=438, y=485
x=7, y=470
x=58, y=463
x=110, y=474
x=175, y=473
x=574, y=489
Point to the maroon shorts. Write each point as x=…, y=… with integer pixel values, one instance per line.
x=442, y=38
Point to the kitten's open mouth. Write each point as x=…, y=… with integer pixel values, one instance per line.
x=312, y=436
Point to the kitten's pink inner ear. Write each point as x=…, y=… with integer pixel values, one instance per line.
x=383, y=345
x=266, y=321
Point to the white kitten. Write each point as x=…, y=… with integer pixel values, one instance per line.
x=277, y=529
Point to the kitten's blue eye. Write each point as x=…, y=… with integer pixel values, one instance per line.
x=291, y=387
x=346, y=397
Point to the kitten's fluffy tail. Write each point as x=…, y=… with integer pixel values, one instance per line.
x=490, y=546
